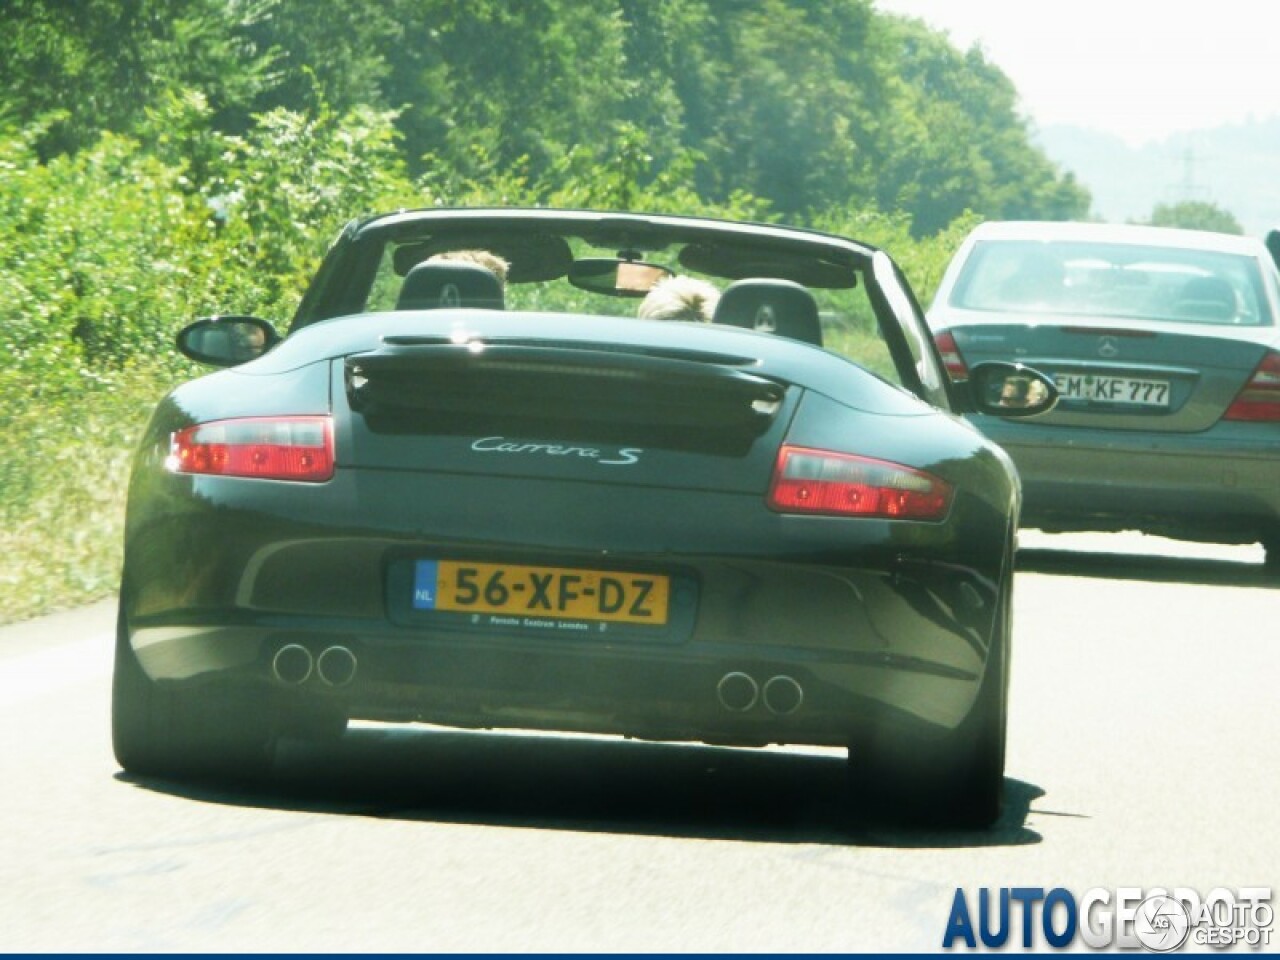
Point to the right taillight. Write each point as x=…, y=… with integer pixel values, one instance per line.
x=844, y=485
x=1259, y=400
x=951, y=358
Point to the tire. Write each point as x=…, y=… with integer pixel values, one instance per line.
x=205, y=731
x=1271, y=560
x=952, y=781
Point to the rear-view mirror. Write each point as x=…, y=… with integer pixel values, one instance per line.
x=619, y=278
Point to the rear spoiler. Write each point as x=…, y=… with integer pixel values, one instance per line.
x=571, y=381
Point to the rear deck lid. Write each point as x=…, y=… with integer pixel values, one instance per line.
x=575, y=410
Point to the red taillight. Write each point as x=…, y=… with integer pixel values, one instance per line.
x=268, y=448
x=1260, y=398
x=951, y=358
x=840, y=484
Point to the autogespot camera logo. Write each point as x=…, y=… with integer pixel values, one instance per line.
x=1127, y=918
x=1162, y=923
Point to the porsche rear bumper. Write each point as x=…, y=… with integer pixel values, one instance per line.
x=715, y=693
x=834, y=625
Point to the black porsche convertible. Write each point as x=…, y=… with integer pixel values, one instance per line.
x=485, y=501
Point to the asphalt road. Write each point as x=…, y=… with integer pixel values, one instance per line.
x=1144, y=751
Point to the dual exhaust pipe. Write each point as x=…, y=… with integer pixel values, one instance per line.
x=739, y=692
x=336, y=666
x=293, y=665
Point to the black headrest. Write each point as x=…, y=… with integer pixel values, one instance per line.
x=773, y=306
x=436, y=283
x=1209, y=298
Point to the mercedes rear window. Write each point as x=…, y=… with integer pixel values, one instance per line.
x=1128, y=281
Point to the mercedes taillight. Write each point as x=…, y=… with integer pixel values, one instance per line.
x=951, y=358
x=1259, y=400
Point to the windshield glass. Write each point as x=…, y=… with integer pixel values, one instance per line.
x=847, y=319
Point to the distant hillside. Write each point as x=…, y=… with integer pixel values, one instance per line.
x=1236, y=167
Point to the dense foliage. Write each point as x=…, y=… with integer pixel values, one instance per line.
x=1196, y=215
x=803, y=104
x=160, y=159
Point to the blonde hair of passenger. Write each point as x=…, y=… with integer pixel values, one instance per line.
x=680, y=298
x=481, y=258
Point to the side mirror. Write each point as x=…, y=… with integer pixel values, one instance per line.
x=620, y=278
x=1010, y=390
x=227, y=341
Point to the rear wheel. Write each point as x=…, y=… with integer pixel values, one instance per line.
x=206, y=730
x=956, y=780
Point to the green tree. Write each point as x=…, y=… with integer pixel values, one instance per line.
x=97, y=64
x=1195, y=215
x=489, y=86
x=957, y=142
x=796, y=116
x=806, y=106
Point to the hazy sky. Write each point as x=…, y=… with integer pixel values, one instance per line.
x=1136, y=68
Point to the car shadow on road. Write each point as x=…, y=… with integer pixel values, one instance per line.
x=1156, y=569
x=575, y=784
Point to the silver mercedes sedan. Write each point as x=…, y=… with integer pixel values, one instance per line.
x=1165, y=348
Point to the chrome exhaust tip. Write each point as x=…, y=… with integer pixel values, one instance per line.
x=336, y=666
x=292, y=664
x=783, y=695
x=737, y=692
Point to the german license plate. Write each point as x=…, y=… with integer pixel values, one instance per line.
x=559, y=593
x=1103, y=389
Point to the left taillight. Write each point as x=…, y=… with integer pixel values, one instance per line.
x=266, y=448
x=841, y=484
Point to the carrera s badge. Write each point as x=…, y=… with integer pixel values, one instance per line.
x=621, y=457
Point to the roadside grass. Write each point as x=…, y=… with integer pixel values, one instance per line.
x=64, y=469
x=862, y=347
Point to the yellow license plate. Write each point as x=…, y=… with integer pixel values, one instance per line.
x=561, y=593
